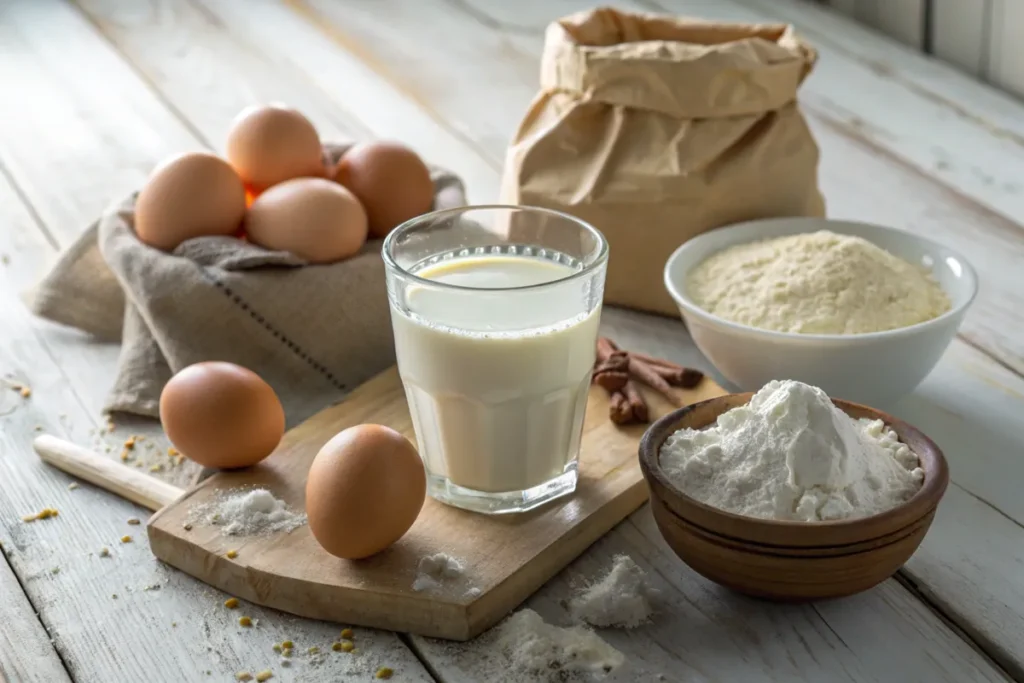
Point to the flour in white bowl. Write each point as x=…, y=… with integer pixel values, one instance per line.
x=816, y=283
x=790, y=454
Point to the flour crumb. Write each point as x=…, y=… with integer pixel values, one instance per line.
x=248, y=513
x=791, y=454
x=622, y=598
x=533, y=647
x=434, y=570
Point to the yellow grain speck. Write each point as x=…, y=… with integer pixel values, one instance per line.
x=287, y=644
x=129, y=443
x=346, y=646
x=104, y=552
x=126, y=539
x=231, y=554
x=25, y=391
x=347, y=634
x=243, y=676
x=125, y=455
x=286, y=652
x=156, y=468
x=172, y=451
x=134, y=521
x=336, y=647
x=244, y=621
x=313, y=650
x=45, y=513
x=277, y=648
x=264, y=676
x=231, y=603
x=138, y=463
x=72, y=486
x=384, y=672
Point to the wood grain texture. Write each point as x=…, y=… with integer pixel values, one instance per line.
x=112, y=131
x=945, y=123
x=960, y=33
x=507, y=557
x=26, y=653
x=1005, y=31
x=210, y=60
x=702, y=633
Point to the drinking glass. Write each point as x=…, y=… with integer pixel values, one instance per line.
x=495, y=311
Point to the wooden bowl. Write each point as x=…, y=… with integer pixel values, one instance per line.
x=789, y=560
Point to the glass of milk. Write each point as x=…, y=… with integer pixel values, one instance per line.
x=495, y=311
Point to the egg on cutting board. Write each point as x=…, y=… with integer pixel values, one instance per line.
x=186, y=196
x=269, y=144
x=390, y=180
x=221, y=415
x=365, y=489
x=313, y=218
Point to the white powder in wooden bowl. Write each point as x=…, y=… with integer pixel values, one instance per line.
x=791, y=454
x=816, y=283
x=622, y=598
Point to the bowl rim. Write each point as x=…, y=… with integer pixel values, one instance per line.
x=790, y=533
x=813, y=224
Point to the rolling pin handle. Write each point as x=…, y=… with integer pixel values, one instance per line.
x=78, y=461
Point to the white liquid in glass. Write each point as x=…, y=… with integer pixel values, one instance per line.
x=497, y=383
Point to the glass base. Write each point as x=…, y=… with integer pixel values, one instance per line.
x=505, y=502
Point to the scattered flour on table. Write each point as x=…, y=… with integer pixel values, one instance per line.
x=434, y=570
x=524, y=649
x=791, y=454
x=816, y=283
x=248, y=512
x=621, y=599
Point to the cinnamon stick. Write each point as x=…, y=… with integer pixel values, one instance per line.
x=636, y=402
x=612, y=380
x=646, y=374
x=605, y=348
x=619, y=410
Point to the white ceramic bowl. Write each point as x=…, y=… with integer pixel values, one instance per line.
x=873, y=369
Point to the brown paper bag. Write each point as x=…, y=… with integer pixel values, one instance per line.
x=656, y=129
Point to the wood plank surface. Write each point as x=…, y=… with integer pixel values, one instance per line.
x=26, y=653
x=702, y=633
x=163, y=625
x=210, y=68
x=464, y=109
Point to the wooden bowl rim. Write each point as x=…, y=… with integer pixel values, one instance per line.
x=791, y=533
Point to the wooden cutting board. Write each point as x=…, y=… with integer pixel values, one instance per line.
x=506, y=557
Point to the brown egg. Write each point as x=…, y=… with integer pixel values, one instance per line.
x=188, y=196
x=313, y=218
x=365, y=489
x=270, y=144
x=390, y=180
x=221, y=415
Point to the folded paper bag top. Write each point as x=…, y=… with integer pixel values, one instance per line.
x=313, y=332
x=658, y=128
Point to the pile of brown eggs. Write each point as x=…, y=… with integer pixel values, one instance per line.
x=275, y=189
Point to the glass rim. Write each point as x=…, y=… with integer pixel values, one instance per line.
x=389, y=261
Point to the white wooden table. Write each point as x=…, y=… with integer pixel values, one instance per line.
x=94, y=92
